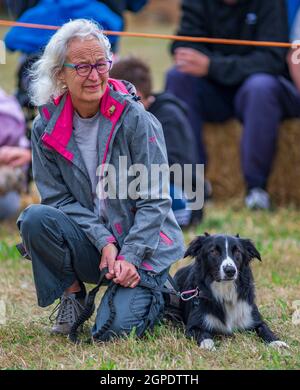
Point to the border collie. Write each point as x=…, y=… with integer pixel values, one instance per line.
x=226, y=297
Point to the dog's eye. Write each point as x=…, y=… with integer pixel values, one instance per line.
x=237, y=252
x=214, y=252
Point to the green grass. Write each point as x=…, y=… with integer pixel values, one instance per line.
x=25, y=342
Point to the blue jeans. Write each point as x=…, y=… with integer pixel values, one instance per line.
x=61, y=253
x=9, y=205
x=260, y=102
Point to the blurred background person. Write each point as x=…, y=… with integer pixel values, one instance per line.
x=179, y=136
x=15, y=155
x=218, y=82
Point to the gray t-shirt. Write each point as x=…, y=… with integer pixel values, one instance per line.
x=86, y=134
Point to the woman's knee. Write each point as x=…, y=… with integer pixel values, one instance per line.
x=33, y=219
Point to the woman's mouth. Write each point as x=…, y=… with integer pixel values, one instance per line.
x=93, y=87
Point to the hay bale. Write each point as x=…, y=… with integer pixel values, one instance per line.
x=224, y=169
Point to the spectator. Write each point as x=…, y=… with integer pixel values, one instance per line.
x=221, y=81
x=15, y=155
x=172, y=114
x=293, y=58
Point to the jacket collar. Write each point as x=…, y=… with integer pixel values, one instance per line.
x=59, y=115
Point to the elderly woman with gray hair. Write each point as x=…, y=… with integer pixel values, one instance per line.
x=88, y=120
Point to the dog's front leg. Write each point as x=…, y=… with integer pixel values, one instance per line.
x=269, y=337
x=203, y=338
x=196, y=329
x=265, y=333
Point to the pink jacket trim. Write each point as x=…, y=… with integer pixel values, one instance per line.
x=62, y=131
x=118, y=85
x=147, y=266
x=63, y=128
x=46, y=113
x=119, y=229
x=111, y=239
x=152, y=139
x=165, y=238
x=53, y=143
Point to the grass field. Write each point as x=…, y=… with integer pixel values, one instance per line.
x=25, y=342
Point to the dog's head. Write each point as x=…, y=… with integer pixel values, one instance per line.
x=222, y=257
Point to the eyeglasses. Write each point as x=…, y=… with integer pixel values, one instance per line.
x=86, y=69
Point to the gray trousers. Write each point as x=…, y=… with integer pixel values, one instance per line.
x=61, y=253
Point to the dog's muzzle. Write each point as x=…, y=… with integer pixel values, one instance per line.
x=229, y=272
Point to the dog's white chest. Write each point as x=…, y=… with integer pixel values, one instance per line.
x=238, y=313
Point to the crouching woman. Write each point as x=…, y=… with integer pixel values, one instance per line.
x=87, y=120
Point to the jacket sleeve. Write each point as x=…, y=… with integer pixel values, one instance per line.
x=194, y=24
x=54, y=192
x=147, y=147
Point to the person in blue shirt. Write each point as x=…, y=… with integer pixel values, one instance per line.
x=292, y=10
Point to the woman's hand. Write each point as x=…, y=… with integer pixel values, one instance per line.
x=108, y=258
x=126, y=274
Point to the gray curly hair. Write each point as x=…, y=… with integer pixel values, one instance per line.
x=45, y=84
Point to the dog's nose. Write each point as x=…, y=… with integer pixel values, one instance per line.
x=229, y=271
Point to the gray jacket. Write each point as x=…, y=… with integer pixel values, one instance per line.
x=145, y=230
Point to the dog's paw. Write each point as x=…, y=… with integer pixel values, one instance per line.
x=208, y=344
x=278, y=344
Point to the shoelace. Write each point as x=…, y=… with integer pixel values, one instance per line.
x=68, y=310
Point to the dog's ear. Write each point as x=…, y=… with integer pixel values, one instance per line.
x=195, y=246
x=252, y=252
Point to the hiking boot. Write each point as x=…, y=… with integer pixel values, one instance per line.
x=258, y=199
x=68, y=310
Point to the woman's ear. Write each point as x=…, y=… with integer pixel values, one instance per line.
x=61, y=76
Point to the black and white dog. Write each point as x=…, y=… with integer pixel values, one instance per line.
x=226, y=298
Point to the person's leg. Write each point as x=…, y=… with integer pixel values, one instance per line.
x=205, y=100
x=9, y=205
x=259, y=107
x=139, y=308
x=60, y=251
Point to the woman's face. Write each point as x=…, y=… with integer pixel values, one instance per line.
x=85, y=90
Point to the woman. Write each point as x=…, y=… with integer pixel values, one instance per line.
x=86, y=120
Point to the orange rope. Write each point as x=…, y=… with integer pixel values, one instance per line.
x=8, y=23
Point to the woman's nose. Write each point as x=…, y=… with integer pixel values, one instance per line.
x=94, y=75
